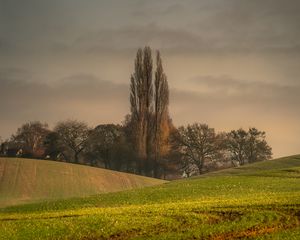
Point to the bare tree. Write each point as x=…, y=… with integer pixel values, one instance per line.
x=257, y=146
x=54, y=148
x=198, y=144
x=73, y=135
x=161, y=115
x=149, y=111
x=141, y=97
x=103, y=143
x=248, y=146
x=237, y=140
x=30, y=138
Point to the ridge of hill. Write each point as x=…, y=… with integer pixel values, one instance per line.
x=30, y=180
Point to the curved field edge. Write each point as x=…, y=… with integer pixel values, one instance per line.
x=260, y=202
x=28, y=180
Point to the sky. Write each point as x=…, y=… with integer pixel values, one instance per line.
x=229, y=63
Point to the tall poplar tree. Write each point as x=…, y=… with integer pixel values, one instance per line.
x=161, y=114
x=141, y=96
x=149, y=111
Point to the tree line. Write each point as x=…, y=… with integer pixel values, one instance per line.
x=146, y=142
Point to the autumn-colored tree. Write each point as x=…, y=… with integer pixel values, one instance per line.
x=149, y=111
x=141, y=96
x=161, y=115
x=30, y=137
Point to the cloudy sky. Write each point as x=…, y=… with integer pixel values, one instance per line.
x=230, y=63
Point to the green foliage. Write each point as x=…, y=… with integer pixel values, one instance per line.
x=257, y=201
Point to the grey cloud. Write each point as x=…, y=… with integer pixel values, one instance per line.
x=249, y=91
x=147, y=11
x=231, y=25
x=176, y=8
x=81, y=96
x=253, y=24
x=89, y=87
x=179, y=40
x=133, y=37
x=5, y=45
x=278, y=118
x=76, y=87
x=221, y=82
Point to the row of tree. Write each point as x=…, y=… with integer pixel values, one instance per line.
x=147, y=142
x=71, y=141
x=193, y=149
x=199, y=147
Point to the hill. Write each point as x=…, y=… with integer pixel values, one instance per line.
x=258, y=201
x=27, y=180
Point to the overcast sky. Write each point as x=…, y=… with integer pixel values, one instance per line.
x=230, y=63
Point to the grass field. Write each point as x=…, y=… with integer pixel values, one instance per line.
x=26, y=180
x=258, y=201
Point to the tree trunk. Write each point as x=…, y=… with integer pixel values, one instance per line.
x=76, y=157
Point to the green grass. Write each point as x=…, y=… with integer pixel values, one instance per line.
x=27, y=180
x=258, y=201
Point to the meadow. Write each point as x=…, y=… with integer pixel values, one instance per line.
x=257, y=201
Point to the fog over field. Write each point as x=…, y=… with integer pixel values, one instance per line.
x=230, y=64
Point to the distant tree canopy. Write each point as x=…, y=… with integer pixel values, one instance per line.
x=54, y=148
x=199, y=147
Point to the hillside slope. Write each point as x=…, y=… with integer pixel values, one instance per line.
x=257, y=201
x=27, y=180
x=265, y=168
